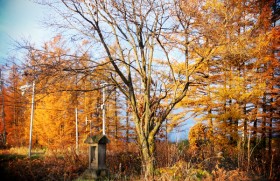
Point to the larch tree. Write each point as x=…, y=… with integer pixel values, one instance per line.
x=53, y=125
x=15, y=107
x=269, y=114
x=47, y=67
x=70, y=83
x=228, y=93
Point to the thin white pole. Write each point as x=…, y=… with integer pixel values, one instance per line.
x=103, y=111
x=90, y=128
x=31, y=118
x=77, y=133
x=76, y=118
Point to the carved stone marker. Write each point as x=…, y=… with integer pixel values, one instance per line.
x=97, y=157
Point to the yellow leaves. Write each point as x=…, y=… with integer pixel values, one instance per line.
x=197, y=134
x=179, y=68
x=216, y=5
x=52, y=123
x=240, y=89
x=181, y=170
x=234, y=112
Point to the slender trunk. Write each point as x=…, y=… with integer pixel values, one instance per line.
x=246, y=139
x=77, y=131
x=254, y=134
x=211, y=132
x=270, y=128
x=3, y=109
x=270, y=136
x=270, y=154
x=231, y=123
x=166, y=142
x=248, y=153
x=148, y=157
x=15, y=116
x=146, y=142
x=263, y=137
x=116, y=114
x=210, y=119
x=127, y=121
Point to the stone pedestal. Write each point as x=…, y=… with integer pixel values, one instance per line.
x=94, y=174
x=90, y=174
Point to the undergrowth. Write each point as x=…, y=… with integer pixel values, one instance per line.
x=173, y=162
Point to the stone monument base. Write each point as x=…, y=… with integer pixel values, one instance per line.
x=95, y=174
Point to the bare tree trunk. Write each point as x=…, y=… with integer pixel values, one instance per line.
x=116, y=113
x=263, y=126
x=147, y=150
x=127, y=122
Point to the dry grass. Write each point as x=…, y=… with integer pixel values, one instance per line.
x=64, y=166
x=15, y=150
x=173, y=162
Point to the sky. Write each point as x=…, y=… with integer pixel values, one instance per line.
x=19, y=19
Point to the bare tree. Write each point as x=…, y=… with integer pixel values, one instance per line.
x=140, y=61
